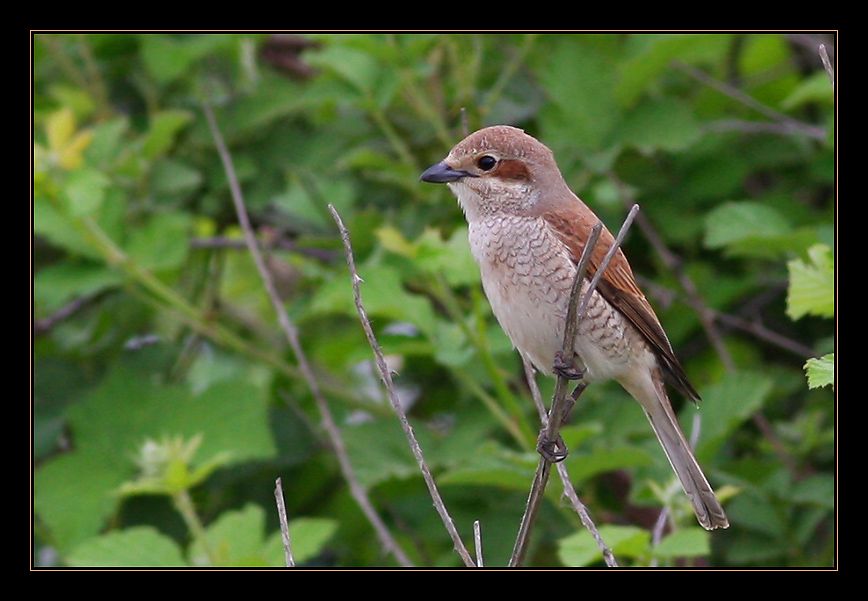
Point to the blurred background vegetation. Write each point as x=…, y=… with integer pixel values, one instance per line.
x=166, y=402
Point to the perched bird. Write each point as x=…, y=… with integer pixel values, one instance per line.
x=527, y=230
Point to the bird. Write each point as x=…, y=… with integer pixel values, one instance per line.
x=527, y=230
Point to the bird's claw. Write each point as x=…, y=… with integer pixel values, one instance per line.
x=553, y=451
x=567, y=369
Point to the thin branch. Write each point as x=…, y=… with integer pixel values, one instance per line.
x=477, y=543
x=760, y=331
x=705, y=313
x=356, y=489
x=278, y=243
x=386, y=377
x=46, y=324
x=827, y=64
x=726, y=89
x=765, y=127
x=284, y=525
x=569, y=490
x=560, y=408
x=552, y=427
x=751, y=326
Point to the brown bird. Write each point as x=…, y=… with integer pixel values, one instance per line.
x=527, y=231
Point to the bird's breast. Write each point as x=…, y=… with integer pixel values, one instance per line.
x=527, y=274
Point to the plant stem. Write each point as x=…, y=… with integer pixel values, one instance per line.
x=184, y=504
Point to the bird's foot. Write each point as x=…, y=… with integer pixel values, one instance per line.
x=553, y=451
x=567, y=369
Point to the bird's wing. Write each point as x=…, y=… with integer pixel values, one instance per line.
x=618, y=286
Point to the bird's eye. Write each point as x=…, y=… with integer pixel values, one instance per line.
x=486, y=162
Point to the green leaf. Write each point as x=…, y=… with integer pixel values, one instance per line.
x=161, y=243
x=687, y=542
x=235, y=539
x=169, y=57
x=650, y=56
x=84, y=191
x=384, y=296
x=163, y=129
x=174, y=177
x=815, y=88
x=140, y=547
x=736, y=222
x=107, y=141
x=587, y=465
x=812, y=284
x=580, y=549
x=308, y=537
x=725, y=405
x=59, y=283
x=817, y=490
x=76, y=492
x=359, y=69
x=821, y=372
x=55, y=226
x=664, y=124
x=579, y=81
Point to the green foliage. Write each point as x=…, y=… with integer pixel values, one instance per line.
x=821, y=372
x=166, y=403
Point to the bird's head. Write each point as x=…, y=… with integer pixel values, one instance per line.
x=499, y=170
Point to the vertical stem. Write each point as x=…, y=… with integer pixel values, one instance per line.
x=184, y=504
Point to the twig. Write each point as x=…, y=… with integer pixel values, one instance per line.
x=552, y=426
x=726, y=89
x=284, y=526
x=280, y=243
x=705, y=313
x=827, y=64
x=386, y=377
x=560, y=408
x=751, y=326
x=569, y=490
x=356, y=489
x=763, y=127
x=46, y=324
x=477, y=544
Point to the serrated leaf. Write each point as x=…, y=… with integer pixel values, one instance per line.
x=687, y=542
x=821, y=372
x=140, y=547
x=735, y=222
x=170, y=176
x=580, y=549
x=812, y=284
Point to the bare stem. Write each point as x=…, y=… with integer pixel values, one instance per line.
x=386, y=377
x=477, y=543
x=827, y=64
x=806, y=129
x=356, y=489
x=284, y=525
x=569, y=491
x=560, y=408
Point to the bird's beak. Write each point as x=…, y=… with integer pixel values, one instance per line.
x=442, y=173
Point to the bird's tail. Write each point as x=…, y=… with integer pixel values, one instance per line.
x=657, y=407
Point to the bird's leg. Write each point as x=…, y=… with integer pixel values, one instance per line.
x=553, y=451
x=567, y=369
